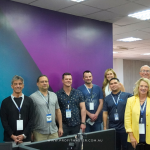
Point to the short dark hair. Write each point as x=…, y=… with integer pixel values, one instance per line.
x=114, y=79
x=40, y=77
x=86, y=71
x=66, y=73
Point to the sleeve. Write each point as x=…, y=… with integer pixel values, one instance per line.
x=130, y=95
x=4, y=119
x=57, y=104
x=105, y=106
x=81, y=97
x=29, y=127
x=101, y=93
x=128, y=116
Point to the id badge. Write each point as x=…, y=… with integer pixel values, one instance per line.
x=141, y=128
x=91, y=106
x=49, y=118
x=116, y=116
x=19, y=125
x=68, y=113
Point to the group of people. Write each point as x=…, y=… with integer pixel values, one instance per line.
x=48, y=115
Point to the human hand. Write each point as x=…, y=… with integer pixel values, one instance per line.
x=83, y=126
x=60, y=132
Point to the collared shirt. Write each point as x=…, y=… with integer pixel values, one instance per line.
x=41, y=110
x=110, y=107
x=73, y=100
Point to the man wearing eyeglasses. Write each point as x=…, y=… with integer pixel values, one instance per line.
x=145, y=72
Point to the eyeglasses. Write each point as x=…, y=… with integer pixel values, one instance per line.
x=147, y=71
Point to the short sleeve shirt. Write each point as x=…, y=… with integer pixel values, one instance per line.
x=73, y=100
x=96, y=95
x=41, y=110
x=110, y=107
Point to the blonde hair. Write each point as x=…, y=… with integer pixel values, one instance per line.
x=137, y=84
x=105, y=82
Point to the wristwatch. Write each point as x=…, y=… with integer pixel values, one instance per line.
x=24, y=137
x=83, y=123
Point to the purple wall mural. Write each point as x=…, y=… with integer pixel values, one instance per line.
x=61, y=43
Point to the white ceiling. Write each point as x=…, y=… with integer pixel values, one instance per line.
x=113, y=11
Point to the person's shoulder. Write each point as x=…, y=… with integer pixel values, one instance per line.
x=52, y=93
x=96, y=86
x=127, y=94
x=81, y=87
x=58, y=92
x=27, y=98
x=77, y=91
x=6, y=100
x=108, y=96
x=34, y=94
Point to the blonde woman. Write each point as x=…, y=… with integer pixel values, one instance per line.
x=109, y=74
x=137, y=116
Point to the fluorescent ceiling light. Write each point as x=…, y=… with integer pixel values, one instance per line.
x=130, y=39
x=143, y=15
x=115, y=52
x=77, y=0
x=146, y=54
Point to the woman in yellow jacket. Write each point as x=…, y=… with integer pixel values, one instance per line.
x=137, y=116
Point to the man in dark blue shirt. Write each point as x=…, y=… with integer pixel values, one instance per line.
x=72, y=106
x=93, y=96
x=114, y=107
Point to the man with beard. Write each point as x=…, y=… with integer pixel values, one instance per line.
x=46, y=107
x=17, y=114
x=72, y=106
x=94, y=102
x=114, y=107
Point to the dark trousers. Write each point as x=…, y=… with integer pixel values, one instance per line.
x=121, y=141
x=95, y=127
x=140, y=146
x=70, y=130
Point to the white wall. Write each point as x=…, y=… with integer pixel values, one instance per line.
x=118, y=68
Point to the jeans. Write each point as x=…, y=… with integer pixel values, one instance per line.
x=121, y=141
x=70, y=130
x=96, y=127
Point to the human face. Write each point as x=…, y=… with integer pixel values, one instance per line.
x=143, y=88
x=145, y=72
x=87, y=78
x=114, y=85
x=17, y=86
x=67, y=80
x=43, y=84
x=109, y=75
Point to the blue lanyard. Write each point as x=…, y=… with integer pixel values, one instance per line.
x=89, y=91
x=19, y=108
x=116, y=103
x=47, y=102
x=142, y=109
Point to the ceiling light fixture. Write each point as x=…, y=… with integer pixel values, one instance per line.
x=77, y=0
x=115, y=52
x=143, y=15
x=146, y=54
x=129, y=39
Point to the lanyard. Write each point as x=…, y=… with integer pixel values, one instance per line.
x=89, y=91
x=142, y=109
x=47, y=102
x=116, y=103
x=19, y=108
